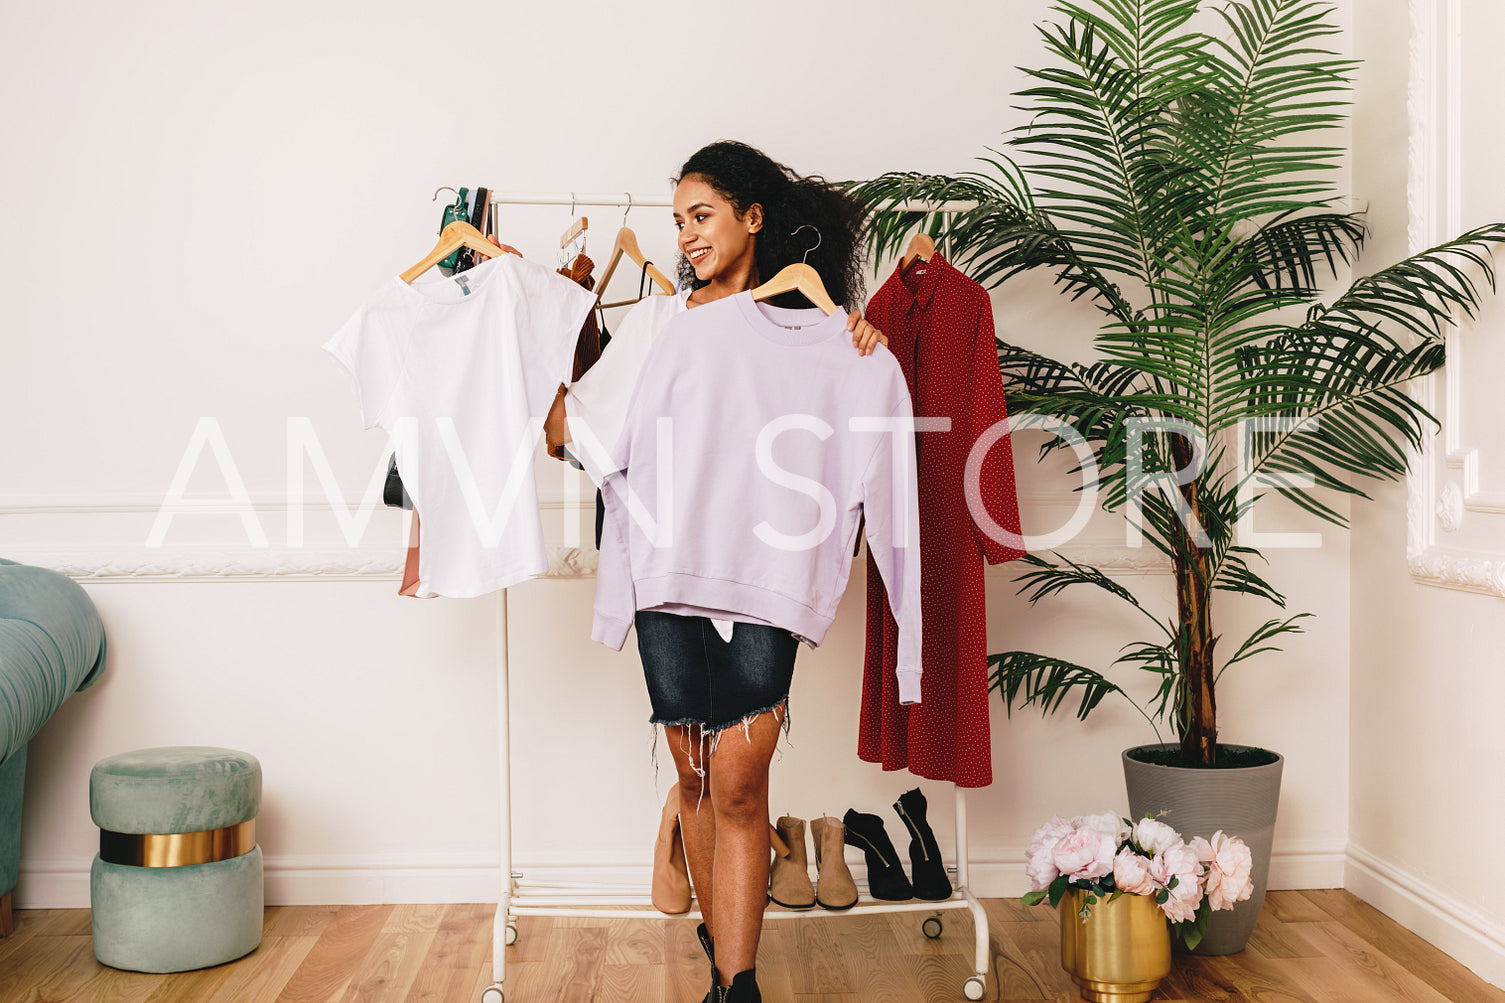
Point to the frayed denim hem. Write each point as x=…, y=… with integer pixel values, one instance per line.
x=707, y=738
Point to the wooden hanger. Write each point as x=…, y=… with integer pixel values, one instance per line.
x=575, y=229
x=627, y=243
x=800, y=278
x=453, y=237
x=920, y=246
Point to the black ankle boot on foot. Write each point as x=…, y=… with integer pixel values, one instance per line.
x=705, y=943
x=885, y=876
x=744, y=989
x=926, y=870
x=710, y=952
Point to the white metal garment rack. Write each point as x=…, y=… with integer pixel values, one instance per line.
x=518, y=897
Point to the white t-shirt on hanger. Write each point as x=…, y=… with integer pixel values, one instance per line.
x=597, y=403
x=460, y=373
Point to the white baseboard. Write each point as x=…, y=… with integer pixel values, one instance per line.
x=1458, y=930
x=62, y=884
x=1307, y=864
x=334, y=880
x=320, y=880
x=327, y=880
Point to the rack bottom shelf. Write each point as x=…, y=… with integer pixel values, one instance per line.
x=577, y=902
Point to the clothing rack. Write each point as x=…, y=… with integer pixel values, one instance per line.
x=518, y=897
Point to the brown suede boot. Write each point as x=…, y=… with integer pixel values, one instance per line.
x=789, y=877
x=671, y=873
x=835, y=888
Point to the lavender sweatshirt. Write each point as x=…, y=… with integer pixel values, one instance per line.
x=756, y=440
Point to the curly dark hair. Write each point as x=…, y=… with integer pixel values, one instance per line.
x=743, y=176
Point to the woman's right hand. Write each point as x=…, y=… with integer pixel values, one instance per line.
x=865, y=337
x=506, y=248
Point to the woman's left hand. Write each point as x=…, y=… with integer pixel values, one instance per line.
x=865, y=337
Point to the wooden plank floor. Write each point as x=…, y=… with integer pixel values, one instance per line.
x=1310, y=947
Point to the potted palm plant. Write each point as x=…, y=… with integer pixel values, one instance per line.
x=1171, y=170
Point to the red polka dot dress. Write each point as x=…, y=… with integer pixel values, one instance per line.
x=939, y=325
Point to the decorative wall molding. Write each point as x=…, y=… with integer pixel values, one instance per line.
x=1457, y=929
x=271, y=503
x=1434, y=192
x=110, y=565
x=1463, y=570
x=1117, y=559
x=129, y=503
x=106, y=565
x=120, y=522
x=1420, y=102
x=572, y=562
x=1450, y=508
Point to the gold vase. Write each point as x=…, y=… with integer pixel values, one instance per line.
x=1119, y=952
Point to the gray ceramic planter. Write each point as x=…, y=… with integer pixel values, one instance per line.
x=1196, y=802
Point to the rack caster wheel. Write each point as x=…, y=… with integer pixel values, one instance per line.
x=509, y=937
x=932, y=929
x=973, y=988
x=493, y=994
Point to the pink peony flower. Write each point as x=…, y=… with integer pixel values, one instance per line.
x=1228, y=862
x=1105, y=822
x=1153, y=836
x=1179, y=862
x=1040, y=866
x=1085, y=854
x=1131, y=873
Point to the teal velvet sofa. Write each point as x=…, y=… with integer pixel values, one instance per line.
x=52, y=644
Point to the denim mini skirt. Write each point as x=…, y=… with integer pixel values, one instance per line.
x=696, y=677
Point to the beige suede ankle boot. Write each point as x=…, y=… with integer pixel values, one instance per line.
x=835, y=888
x=671, y=873
x=789, y=877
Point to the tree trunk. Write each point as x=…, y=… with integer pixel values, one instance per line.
x=1197, y=715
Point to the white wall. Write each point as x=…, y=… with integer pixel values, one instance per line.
x=195, y=197
x=1428, y=588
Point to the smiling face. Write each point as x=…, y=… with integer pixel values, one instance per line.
x=716, y=241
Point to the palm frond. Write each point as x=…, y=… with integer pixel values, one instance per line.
x=1270, y=84
x=1234, y=574
x=1285, y=251
x=1000, y=203
x=1421, y=294
x=1141, y=33
x=1259, y=641
x=1000, y=236
x=1026, y=679
x=1096, y=401
x=1330, y=398
x=1097, y=121
x=1163, y=660
x=1047, y=579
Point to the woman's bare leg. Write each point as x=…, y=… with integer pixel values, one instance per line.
x=697, y=813
x=739, y=792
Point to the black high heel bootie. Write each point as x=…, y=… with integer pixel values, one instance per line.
x=885, y=876
x=926, y=870
x=710, y=952
x=744, y=989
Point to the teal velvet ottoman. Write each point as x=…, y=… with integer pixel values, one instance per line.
x=52, y=644
x=177, y=883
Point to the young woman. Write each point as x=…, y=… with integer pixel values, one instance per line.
x=741, y=217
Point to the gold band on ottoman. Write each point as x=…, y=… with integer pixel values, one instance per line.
x=176, y=849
